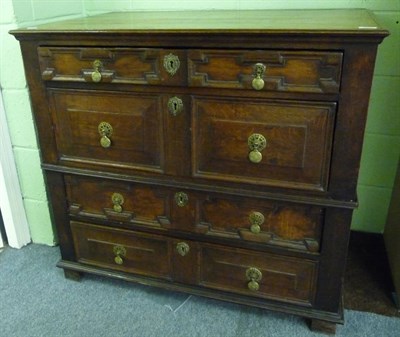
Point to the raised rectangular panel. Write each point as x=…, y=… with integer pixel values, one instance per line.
x=298, y=137
x=134, y=123
x=139, y=253
x=285, y=279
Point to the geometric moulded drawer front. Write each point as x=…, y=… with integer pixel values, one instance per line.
x=277, y=70
x=122, y=202
x=285, y=225
x=263, y=142
x=108, y=129
x=268, y=222
x=144, y=66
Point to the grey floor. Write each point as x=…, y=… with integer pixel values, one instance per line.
x=36, y=300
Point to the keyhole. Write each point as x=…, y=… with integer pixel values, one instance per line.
x=171, y=63
x=175, y=106
x=181, y=199
x=182, y=248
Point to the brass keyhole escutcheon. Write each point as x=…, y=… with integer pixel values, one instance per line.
x=254, y=276
x=119, y=252
x=256, y=143
x=175, y=106
x=181, y=199
x=171, y=64
x=117, y=200
x=258, y=82
x=96, y=74
x=182, y=248
x=256, y=219
x=105, y=130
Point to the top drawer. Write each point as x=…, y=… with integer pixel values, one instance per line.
x=266, y=70
x=258, y=70
x=117, y=65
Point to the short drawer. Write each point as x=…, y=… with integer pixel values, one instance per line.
x=262, y=275
x=266, y=70
x=144, y=66
x=108, y=129
x=104, y=199
x=121, y=250
x=263, y=142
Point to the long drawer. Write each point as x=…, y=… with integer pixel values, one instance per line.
x=266, y=222
x=265, y=70
x=233, y=270
x=254, y=141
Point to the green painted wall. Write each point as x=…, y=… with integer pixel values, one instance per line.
x=13, y=14
x=382, y=139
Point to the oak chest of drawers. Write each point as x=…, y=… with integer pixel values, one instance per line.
x=214, y=153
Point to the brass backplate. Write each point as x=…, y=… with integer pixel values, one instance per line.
x=257, y=142
x=253, y=274
x=105, y=129
x=119, y=250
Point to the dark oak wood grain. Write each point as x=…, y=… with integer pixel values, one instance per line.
x=142, y=66
x=285, y=279
x=170, y=196
x=137, y=138
x=285, y=70
x=298, y=141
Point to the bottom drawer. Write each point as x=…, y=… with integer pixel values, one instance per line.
x=238, y=271
x=121, y=250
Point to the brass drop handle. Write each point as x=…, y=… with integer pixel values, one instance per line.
x=254, y=276
x=117, y=200
x=171, y=63
x=96, y=74
x=258, y=81
x=175, y=106
x=120, y=252
x=256, y=219
x=256, y=143
x=105, y=130
x=182, y=248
